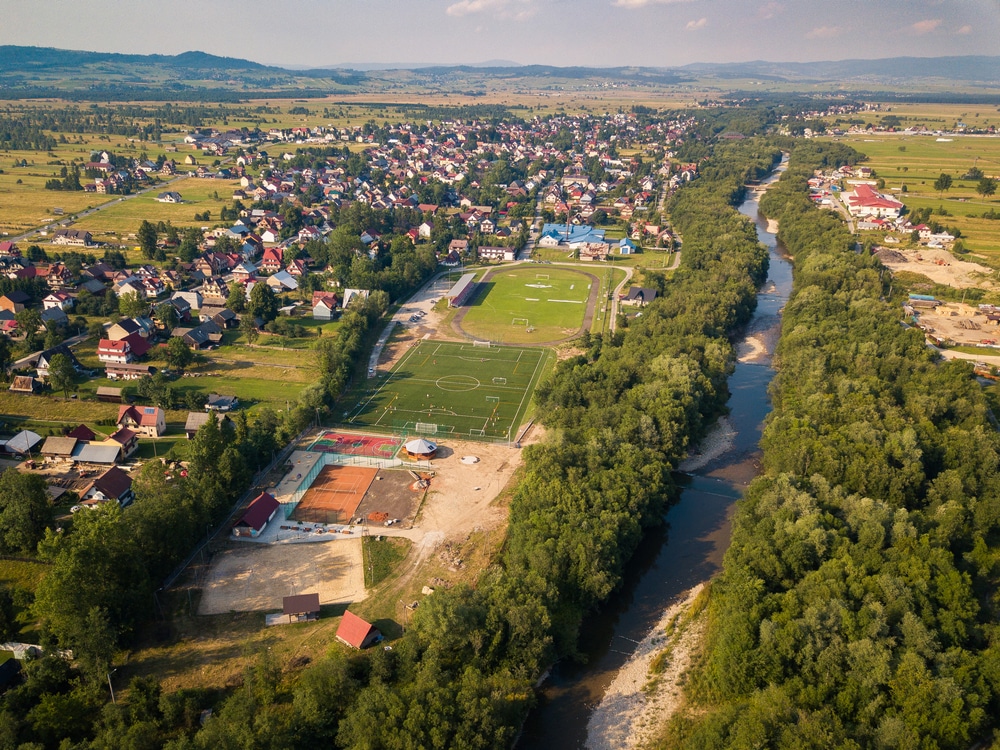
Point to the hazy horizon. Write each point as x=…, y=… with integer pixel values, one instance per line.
x=588, y=33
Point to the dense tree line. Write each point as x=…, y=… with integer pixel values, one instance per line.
x=858, y=602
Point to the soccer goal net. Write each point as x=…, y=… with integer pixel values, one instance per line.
x=477, y=433
x=499, y=381
x=542, y=276
x=493, y=399
x=483, y=344
x=428, y=428
x=519, y=322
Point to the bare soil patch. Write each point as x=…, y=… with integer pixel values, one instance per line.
x=393, y=493
x=258, y=577
x=941, y=267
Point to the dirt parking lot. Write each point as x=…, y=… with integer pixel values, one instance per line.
x=257, y=576
x=392, y=493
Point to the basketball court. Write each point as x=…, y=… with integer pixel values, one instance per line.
x=335, y=494
x=375, y=446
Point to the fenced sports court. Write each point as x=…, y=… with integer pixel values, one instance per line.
x=468, y=390
x=334, y=494
x=376, y=446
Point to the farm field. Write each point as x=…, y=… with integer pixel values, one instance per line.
x=123, y=218
x=529, y=304
x=444, y=388
x=916, y=162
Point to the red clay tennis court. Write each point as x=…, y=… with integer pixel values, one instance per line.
x=335, y=494
x=376, y=446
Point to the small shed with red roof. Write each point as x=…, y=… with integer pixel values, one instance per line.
x=257, y=516
x=357, y=632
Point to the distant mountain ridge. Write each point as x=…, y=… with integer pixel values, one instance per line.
x=15, y=58
x=47, y=71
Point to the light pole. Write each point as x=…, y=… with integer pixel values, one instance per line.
x=110, y=687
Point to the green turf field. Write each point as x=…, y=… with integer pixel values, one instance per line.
x=449, y=389
x=528, y=304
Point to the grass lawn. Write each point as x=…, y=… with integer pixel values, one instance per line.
x=22, y=574
x=454, y=389
x=529, y=303
x=381, y=556
x=123, y=217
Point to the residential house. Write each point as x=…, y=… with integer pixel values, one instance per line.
x=54, y=315
x=324, y=305
x=145, y=420
x=63, y=300
x=113, y=352
x=114, y=485
x=201, y=337
x=169, y=197
x=78, y=237
x=244, y=271
x=127, y=439
x=282, y=281
x=14, y=301
x=217, y=402
x=272, y=261
x=638, y=296
x=45, y=359
x=487, y=253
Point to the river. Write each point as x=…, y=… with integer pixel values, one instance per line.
x=686, y=550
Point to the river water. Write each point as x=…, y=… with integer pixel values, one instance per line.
x=686, y=550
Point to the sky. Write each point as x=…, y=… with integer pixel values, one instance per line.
x=598, y=33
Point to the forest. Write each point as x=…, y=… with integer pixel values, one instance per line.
x=858, y=602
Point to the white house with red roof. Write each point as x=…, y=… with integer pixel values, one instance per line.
x=63, y=300
x=272, y=262
x=149, y=421
x=864, y=201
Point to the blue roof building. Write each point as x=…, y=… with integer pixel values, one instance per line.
x=560, y=234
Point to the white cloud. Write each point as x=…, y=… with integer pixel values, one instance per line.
x=926, y=26
x=824, y=32
x=518, y=10
x=695, y=25
x=964, y=29
x=643, y=3
x=769, y=10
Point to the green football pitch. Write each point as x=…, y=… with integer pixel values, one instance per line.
x=462, y=390
x=529, y=303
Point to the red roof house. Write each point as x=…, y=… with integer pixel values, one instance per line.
x=255, y=519
x=82, y=432
x=356, y=632
x=146, y=420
